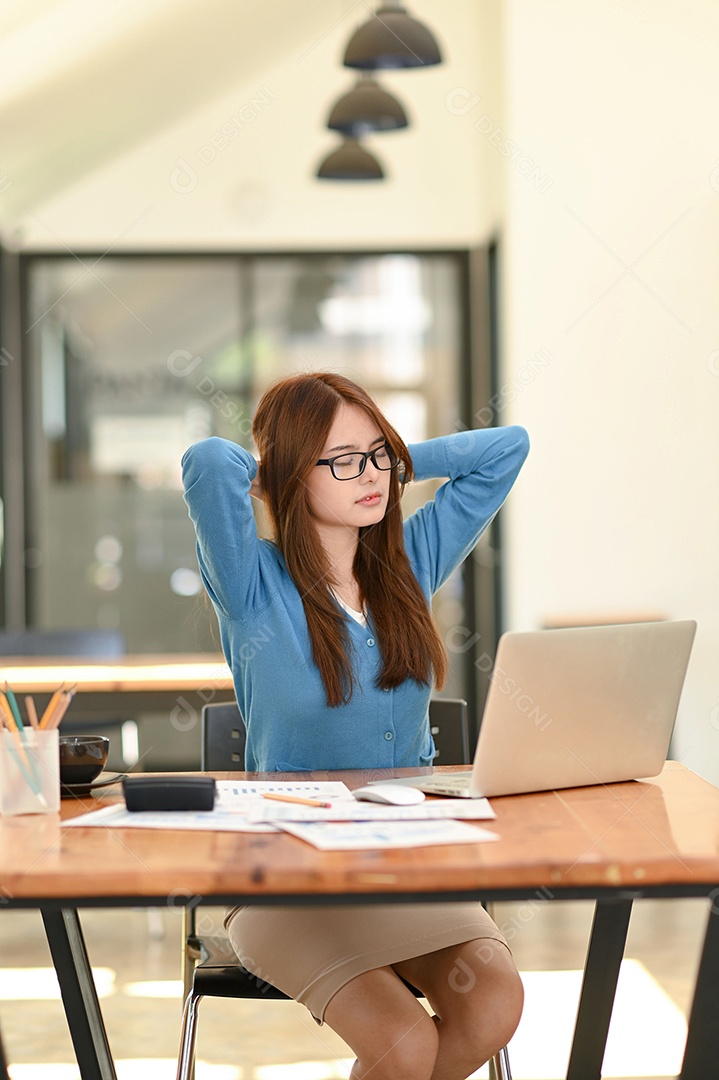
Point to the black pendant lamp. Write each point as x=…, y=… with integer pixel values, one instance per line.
x=367, y=107
x=392, y=39
x=350, y=162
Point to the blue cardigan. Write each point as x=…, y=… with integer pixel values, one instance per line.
x=262, y=622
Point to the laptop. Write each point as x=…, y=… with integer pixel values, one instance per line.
x=572, y=707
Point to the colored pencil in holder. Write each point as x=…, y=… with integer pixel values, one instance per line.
x=6, y=716
x=59, y=710
x=19, y=727
x=25, y=764
x=31, y=712
x=12, y=702
x=51, y=706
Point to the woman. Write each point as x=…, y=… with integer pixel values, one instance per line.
x=334, y=652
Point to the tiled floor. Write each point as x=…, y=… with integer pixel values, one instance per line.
x=136, y=957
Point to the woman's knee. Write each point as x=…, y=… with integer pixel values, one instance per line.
x=486, y=1007
x=507, y=1002
x=403, y=1053
x=391, y=1033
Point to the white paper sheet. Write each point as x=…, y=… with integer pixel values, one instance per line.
x=118, y=816
x=342, y=836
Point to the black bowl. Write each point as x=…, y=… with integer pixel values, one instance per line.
x=82, y=758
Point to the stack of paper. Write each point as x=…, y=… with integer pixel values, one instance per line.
x=325, y=814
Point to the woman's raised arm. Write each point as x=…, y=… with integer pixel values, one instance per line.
x=481, y=467
x=219, y=477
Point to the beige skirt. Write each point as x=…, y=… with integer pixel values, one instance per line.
x=312, y=952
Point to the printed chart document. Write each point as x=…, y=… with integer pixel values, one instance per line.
x=342, y=836
x=234, y=794
x=354, y=810
x=233, y=805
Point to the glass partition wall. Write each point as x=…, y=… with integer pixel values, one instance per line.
x=124, y=366
x=129, y=359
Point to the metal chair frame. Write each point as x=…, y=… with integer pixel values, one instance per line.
x=210, y=966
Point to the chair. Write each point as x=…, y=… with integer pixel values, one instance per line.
x=211, y=967
x=223, y=734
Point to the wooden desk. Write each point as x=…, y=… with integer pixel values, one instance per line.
x=617, y=843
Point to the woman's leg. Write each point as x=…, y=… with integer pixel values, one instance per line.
x=392, y=1034
x=476, y=994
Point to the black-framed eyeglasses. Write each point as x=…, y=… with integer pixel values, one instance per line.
x=350, y=466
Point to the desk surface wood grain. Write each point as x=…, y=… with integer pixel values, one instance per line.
x=644, y=833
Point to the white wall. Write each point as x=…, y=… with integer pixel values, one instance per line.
x=612, y=322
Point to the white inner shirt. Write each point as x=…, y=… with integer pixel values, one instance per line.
x=359, y=616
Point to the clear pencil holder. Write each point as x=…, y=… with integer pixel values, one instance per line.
x=29, y=772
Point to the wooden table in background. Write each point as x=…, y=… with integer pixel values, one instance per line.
x=613, y=843
x=124, y=686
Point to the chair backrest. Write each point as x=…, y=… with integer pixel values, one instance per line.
x=224, y=736
x=450, y=730
x=109, y=643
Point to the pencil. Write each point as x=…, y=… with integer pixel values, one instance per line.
x=295, y=799
x=51, y=706
x=13, y=705
x=6, y=713
x=59, y=711
x=31, y=712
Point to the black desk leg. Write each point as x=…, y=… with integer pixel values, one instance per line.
x=702, y=1049
x=79, y=996
x=601, y=971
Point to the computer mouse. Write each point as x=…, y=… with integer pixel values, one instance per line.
x=392, y=794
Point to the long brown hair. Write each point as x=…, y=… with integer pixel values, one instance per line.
x=290, y=429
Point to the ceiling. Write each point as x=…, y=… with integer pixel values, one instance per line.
x=99, y=99
x=85, y=80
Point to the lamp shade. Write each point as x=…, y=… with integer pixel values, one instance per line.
x=392, y=39
x=350, y=162
x=367, y=107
